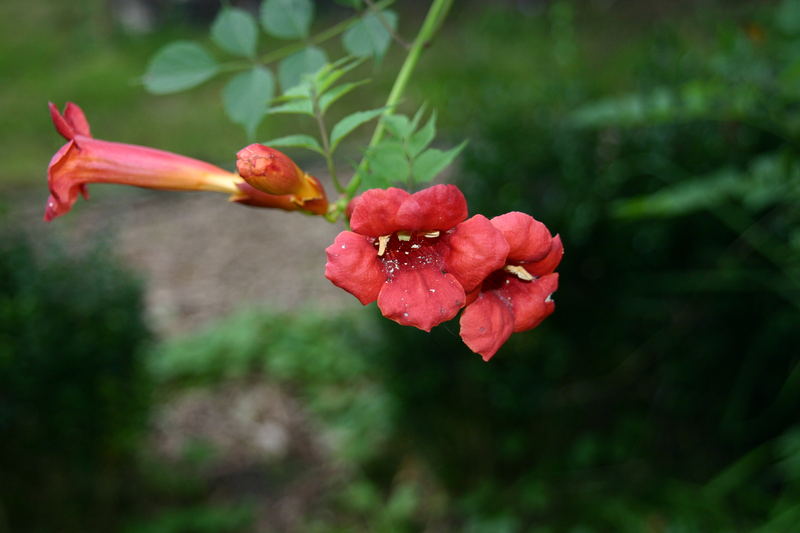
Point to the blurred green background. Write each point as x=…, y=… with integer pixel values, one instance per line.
x=660, y=139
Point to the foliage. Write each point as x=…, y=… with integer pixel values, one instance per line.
x=248, y=96
x=73, y=394
x=404, y=157
x=662, y=395
x=668, y=363
x=308, y=85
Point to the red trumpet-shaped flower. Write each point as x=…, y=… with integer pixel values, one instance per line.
x=515, y=297
x=414, y=253
x=87, y=160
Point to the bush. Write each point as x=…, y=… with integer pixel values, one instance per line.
x=73, y=394
x=663, y=392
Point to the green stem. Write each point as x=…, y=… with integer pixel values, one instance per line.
x=433, y=20
x=326, y=143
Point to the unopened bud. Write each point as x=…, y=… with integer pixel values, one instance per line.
x=269, y=170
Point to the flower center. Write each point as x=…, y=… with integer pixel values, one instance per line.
x=502, y=277
x=408, y=251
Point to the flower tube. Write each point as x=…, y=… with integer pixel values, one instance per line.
x=85, y=159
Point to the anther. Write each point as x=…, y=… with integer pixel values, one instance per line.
x=431, y=234
x=518, y=271
x=383, y=240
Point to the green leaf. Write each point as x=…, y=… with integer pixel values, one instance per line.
x=296, y=141
x=371, y=180
x=235, y=31
x=179, y=66
x=369, y=36
x=433, y=161
x=682, y=198
x=307, y=61
x=300, y=91
x=418, y=116
x=297, y=106
x=421, y=139
x=767, y=181
x=388, y=162
x=345, y=126
x=398, y=125
x=327, y=99
x=331, y=73
x=246, y=95
x=355, y=4
x=287, y=19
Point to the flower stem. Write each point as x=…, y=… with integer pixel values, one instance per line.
x=326, y=143
x=431, y=24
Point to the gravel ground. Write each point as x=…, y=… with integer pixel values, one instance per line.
x=201, y=256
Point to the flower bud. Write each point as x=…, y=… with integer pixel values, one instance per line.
x=269, y=170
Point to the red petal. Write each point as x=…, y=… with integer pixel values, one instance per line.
x=62, y=125
x=421, y=297
x=472, y=296
x=530, y=300
x=63, y=192
x=473, y=250
x=353, y=265
x=529, y=239
x=440, y=207
x=550, y=261
x=77, y=119
x=486, y=324
x=375, y=210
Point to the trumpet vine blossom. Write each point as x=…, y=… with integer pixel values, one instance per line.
x=84, y=159
x=416, y=254
x=516, y=297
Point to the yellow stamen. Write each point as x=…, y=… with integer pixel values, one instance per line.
x=404, y=236
x=431, y=234
x=383, y=240
x=518, y=271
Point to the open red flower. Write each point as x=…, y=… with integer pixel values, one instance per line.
x=515, y=297
x=414, y=253
x=87, y=160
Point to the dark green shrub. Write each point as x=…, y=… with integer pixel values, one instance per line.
x=73, y=394
x=671, y=361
